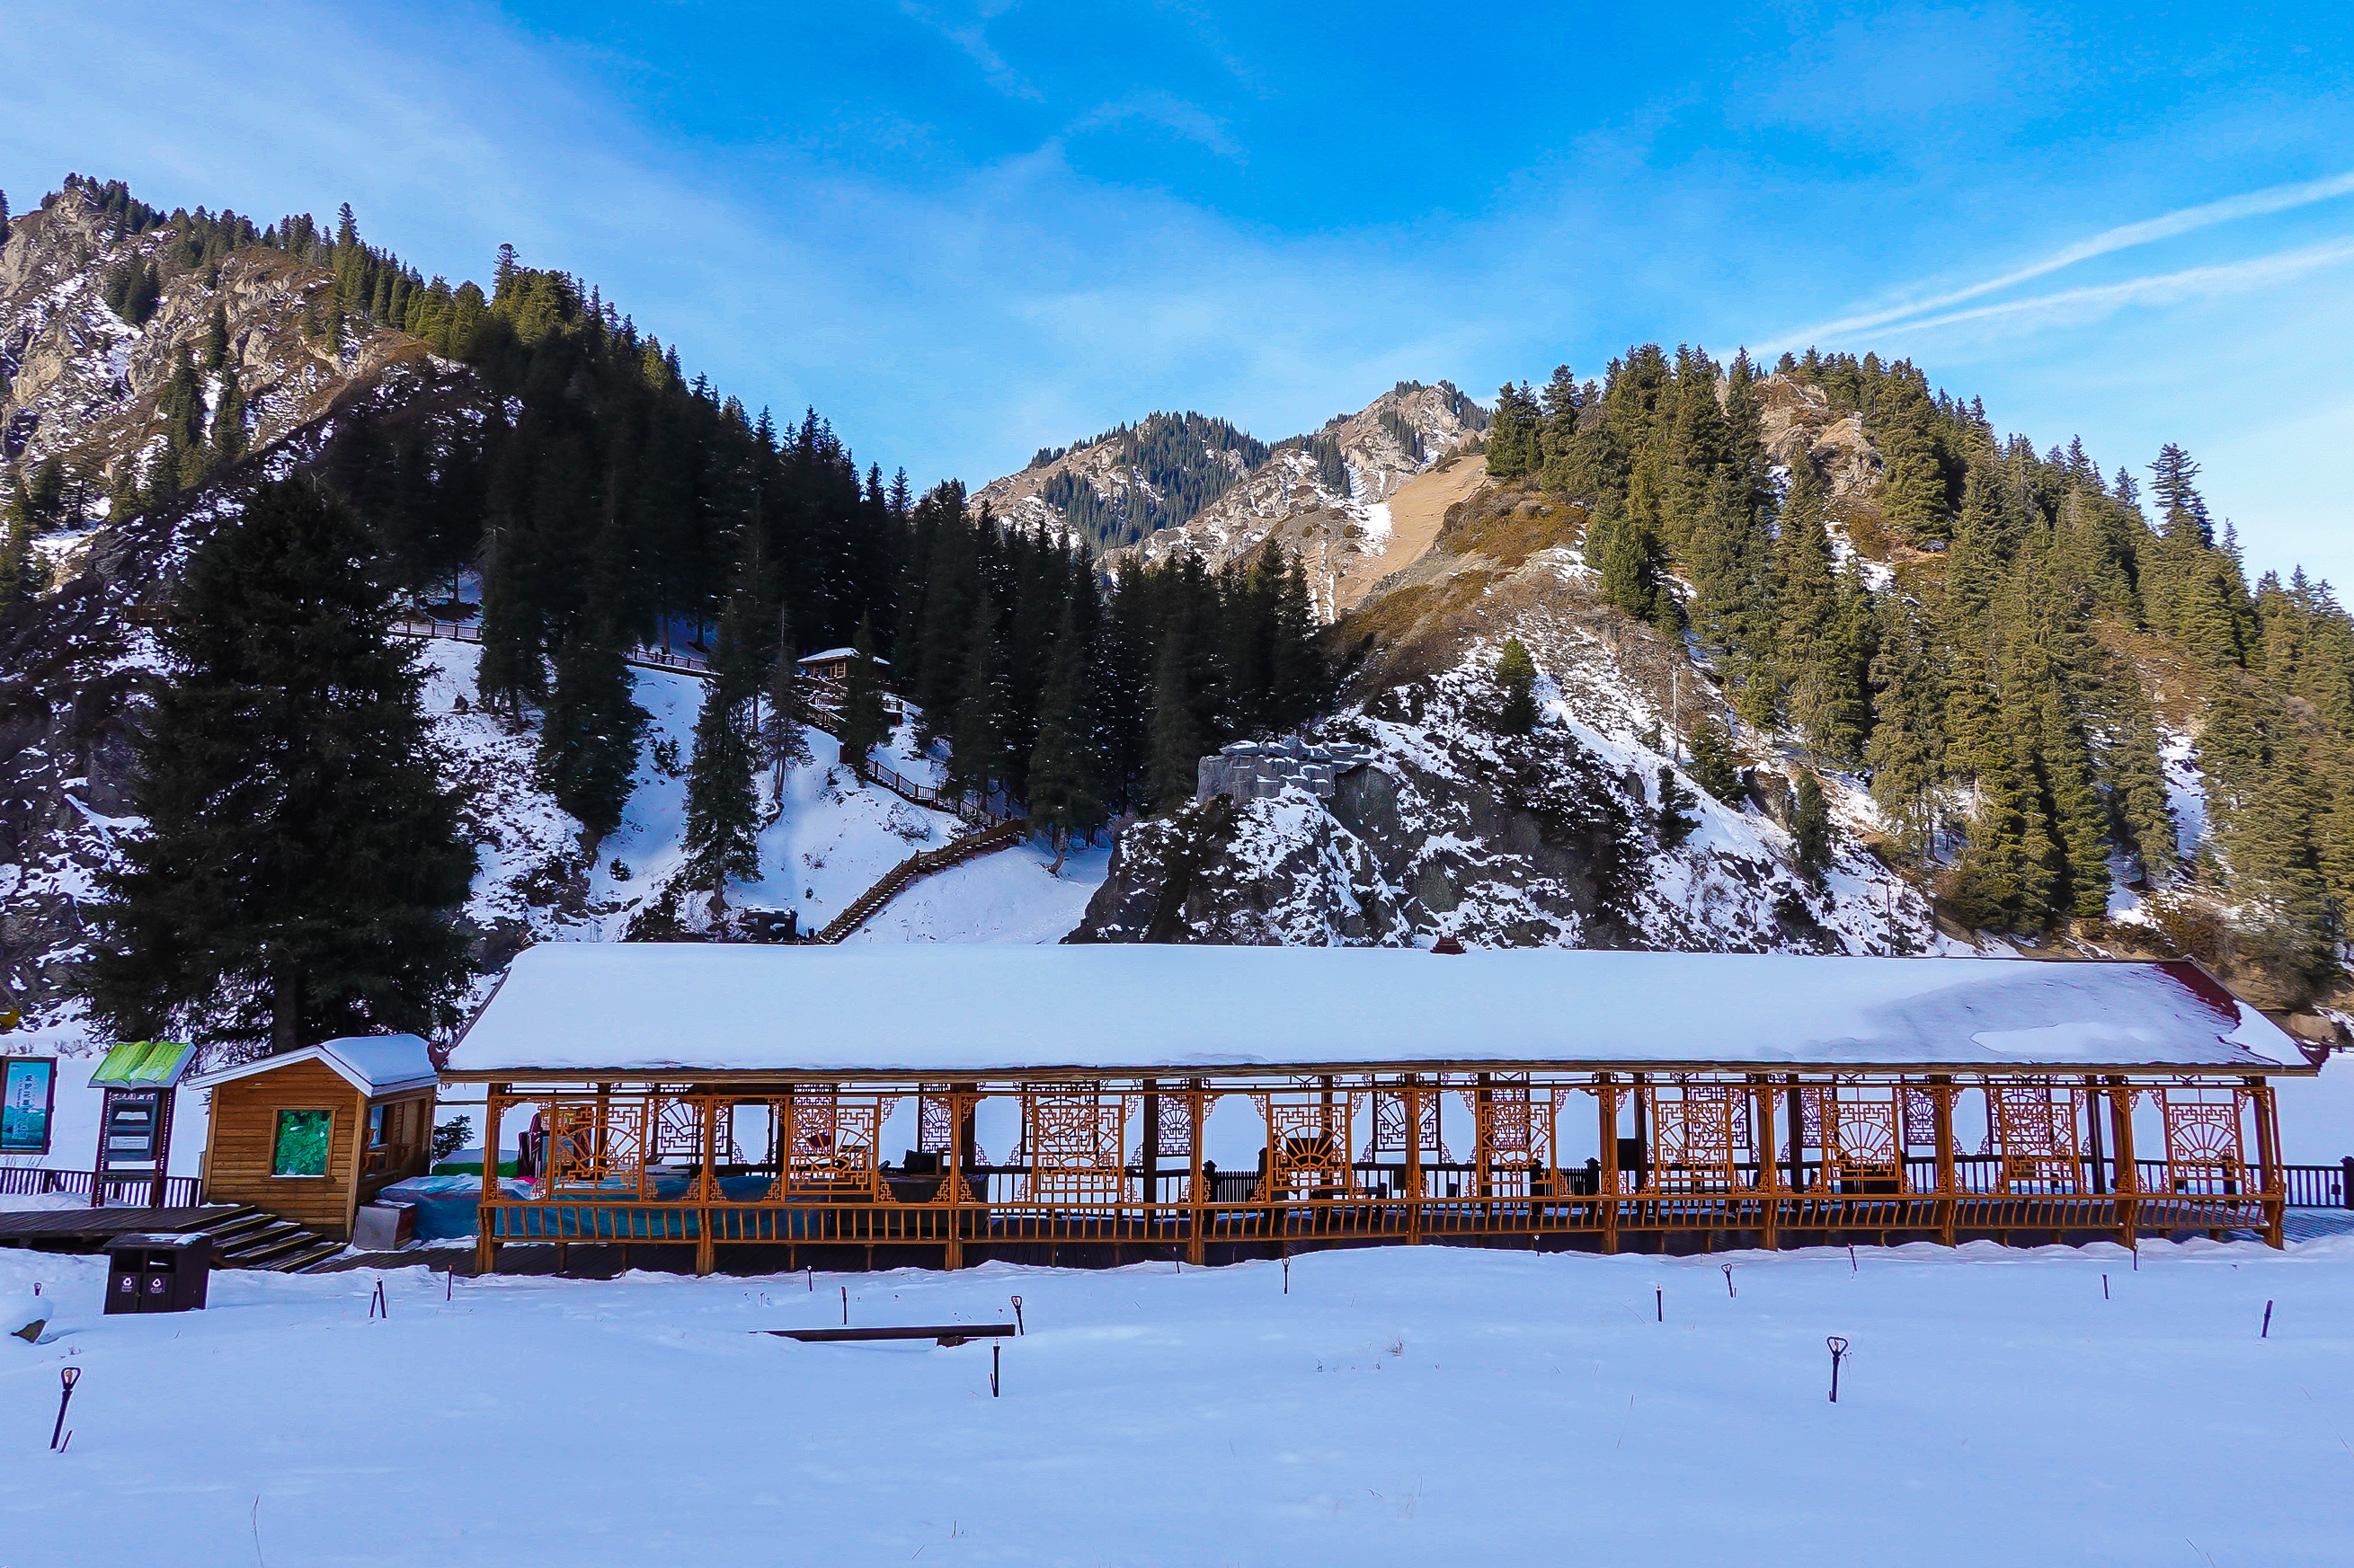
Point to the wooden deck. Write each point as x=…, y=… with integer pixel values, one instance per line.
x=58, y=1230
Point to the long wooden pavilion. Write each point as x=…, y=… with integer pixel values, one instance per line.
x=1211, y=1103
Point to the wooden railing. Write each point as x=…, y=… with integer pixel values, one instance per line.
x=118, y=1188
x=955, y=852
x=468, y=632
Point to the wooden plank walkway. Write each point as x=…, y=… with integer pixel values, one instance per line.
x=25, y=1228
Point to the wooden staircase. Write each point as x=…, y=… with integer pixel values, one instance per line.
x=248, y=1238
x=863, y=908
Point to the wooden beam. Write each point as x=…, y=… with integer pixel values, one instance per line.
x=486, y=1246
x=1940, y=1111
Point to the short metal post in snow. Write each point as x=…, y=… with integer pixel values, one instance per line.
x=1839, y=1354
x=1660, y=1301
x=376, y=1307
x=449, y=1284
x=1286, y=1276
x=993, y=1364
x=2267, y=1331
x=1729, y=1291
x=68, y=1376
x=1850, y=1258
x=2104, y=1287
x=1018, y=1327
x=845, y=1305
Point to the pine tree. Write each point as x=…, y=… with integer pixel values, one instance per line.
x=1516, y=676
x=1712, y=765
x=723, y=816
x=1514, y=433
x=1676, y=819
x=2135, y=778
x=1810, y=831
x=1626, y=559
x=865, y=723
x=589, y=734
x=1815, y=650
x=1067, y=792
x=1906, y=738
x=784, y=738
x=302, y=868
x=980, y=745
x=1175, y=766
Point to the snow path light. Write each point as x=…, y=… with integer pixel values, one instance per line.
x=1729, y=1291
x=1018, y=1327
x=1839, y=1354
x=68, y=1376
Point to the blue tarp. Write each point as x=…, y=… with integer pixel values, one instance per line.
x=448, y=1207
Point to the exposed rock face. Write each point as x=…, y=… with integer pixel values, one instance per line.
x=1797, y=425
x=1398, y=436
x=80, y=383
x=1454, y=830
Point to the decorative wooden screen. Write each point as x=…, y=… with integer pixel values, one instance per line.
x=2204, y=1154
x=1308, y=1146
x=1073, y=1137
x=594, y=1144
x=2034, y=1132
x=1858, y=1139
x=1388, y=1137
x=677, y=1130
x=936, y=1115
x=1692, y=1142
x=1736, y=1095
x=1920, y=1118
x=1514, y=1138
x=829, y=1143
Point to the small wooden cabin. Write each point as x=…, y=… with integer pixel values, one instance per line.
x=311, y=1134
x=834, y=663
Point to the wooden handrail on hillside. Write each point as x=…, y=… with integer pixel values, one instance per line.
x=867, y=905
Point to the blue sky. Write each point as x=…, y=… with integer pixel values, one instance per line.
x=966, y=230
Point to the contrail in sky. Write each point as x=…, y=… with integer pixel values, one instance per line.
x=2252, y=204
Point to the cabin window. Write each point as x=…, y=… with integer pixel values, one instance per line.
x=376, y=1127
x=300, y=1147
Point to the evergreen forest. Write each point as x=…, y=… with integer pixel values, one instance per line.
x=1995, y=687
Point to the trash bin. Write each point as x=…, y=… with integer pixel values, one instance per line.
x=158, y=1273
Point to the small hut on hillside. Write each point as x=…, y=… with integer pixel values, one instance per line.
x=1215, y=1101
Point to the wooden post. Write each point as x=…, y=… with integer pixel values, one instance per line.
x=1147, y=1156
x=2128, y=1183
x=961, y=1100
x=2268, y=1160
x=1941, y=1110
x=1199, y=1218
x=486, y=1245
x=1797, y=1111
x=1769, y=1196
x=707, y=1248
x=1605, y=1098
x=1410, y=1097
x=2093, y=1100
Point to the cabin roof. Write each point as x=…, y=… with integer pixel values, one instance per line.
x=831, y=654
x=372, y=1063
x=928, y=1010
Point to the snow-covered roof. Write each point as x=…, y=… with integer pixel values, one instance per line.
x=372, y=1063
x=832, y=654
x=928, y=1009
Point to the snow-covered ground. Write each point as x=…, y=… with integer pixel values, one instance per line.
x=1400, y=1405
x=1006, y=897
